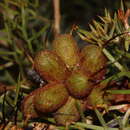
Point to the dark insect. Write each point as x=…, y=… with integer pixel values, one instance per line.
x=35, y=77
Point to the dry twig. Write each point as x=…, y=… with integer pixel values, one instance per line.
x=57, y=16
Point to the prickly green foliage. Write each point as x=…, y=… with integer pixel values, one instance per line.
x=110, y=31
x=19, y=38
x=21, y=29
x=102, y=31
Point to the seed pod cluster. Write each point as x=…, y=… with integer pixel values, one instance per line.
x=68, y=73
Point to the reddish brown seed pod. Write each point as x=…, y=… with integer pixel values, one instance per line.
x=93, y=61
x=67, y=49
x=78, y=84
x=50, y=66
x=27, y=107
x=50, y=97
x=68, y=113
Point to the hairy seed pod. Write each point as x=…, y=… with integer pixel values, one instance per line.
x=93, y=61
x=99, y=98
x=50, y=66
x=67, y=113
x=27, y=107
x=78, y=84
x=66, y=48
x=50, y=97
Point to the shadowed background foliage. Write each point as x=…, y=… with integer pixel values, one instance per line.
x=81, y=11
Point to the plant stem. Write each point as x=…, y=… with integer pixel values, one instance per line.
x=78, y=106
x=24, y=31
x=99, y=115
x=92, y=127
x=115, y=77
x=113, y=60
x=17, y=91
x=57, y=16
x=126, y=118
x=119, y=91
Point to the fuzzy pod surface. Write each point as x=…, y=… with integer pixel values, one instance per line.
x=50, y=97
x=67, y=113
x=50, y=66
x=93, y=61
x=66, y=48
x=78, y=84
x=28, y=108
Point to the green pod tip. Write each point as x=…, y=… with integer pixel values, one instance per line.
x=78, y=84
x=66, y=48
